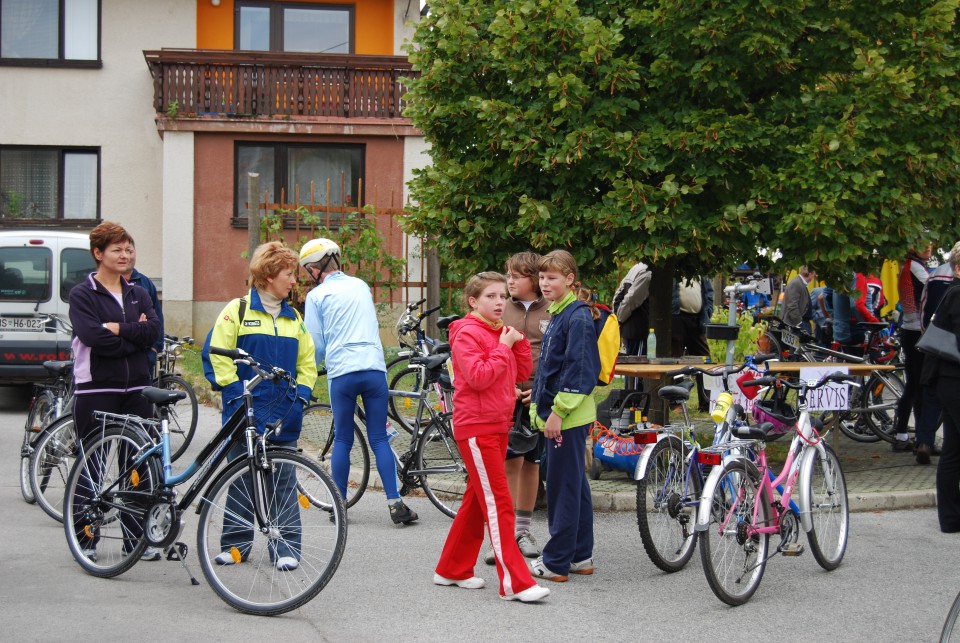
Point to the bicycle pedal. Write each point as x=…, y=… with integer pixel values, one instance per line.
x=178, y=552
x=792, y=549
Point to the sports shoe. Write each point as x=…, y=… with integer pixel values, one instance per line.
x=224, y=558
x=490, y=558
x=540, y=570
x=473, y=582
x=923, y=453
x=529, y=595
x=151, y=553
x=287, y=563
x=584, y=567
x=528, y=546
x=902, y=446
x=401, y=513
x=90, y=554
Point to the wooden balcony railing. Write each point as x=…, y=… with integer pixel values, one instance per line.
x=199, y=82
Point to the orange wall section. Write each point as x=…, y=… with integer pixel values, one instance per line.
x=373, y=25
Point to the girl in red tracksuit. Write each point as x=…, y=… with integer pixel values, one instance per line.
x=489, y=359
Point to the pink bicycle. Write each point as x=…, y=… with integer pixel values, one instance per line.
x=740, y=507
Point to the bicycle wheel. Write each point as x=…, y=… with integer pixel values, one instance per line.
x=183, y=415
x=946, y=635
x=316, y=439
x=829, y=511
x=852, y=423
x=443, y=475
x=404, y=409
x=50, y=464
x=294, y=493
x=104, y=505
x=881, y=393
x=42, y=408
x=768, y=343
x=733, y=557
x=665, y=523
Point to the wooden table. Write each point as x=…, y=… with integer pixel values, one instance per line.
x=658, y=371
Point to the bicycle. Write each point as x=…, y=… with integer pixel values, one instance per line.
x=947, y=635
x=431, y=463
x=739, y=509
x=414, y=342
x=670, y=477
x=50, y=401
x=281, y=509
x=874, y=404
x=183, y=414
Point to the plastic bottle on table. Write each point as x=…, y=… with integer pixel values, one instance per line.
x=651, y=345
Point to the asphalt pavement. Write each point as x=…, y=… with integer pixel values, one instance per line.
x=896, y=582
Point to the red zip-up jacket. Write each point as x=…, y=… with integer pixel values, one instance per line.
x=485, y=373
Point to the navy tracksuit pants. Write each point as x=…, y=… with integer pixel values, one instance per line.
x=569, y=501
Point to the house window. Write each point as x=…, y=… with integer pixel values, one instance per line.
x=50, y=32
x=296, y=170
x=49, y=184
x=294, y=27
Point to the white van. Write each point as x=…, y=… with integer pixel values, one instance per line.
x=37, y=270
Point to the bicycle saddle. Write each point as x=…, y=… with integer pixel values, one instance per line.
x=675, y=393
x=432, y=362
x=59, y=367
x=162, y=396
x=441, y=348
x=754, y=432
x=444, y=322
x=873, y=325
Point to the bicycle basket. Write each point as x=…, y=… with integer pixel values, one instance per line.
x=777, y=413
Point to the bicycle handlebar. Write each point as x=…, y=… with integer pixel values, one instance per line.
x=759, y=358
x=768, y=380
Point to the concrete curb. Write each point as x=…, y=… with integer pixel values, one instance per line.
x=859, y=502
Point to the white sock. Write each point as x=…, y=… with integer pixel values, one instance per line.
x=902, y=436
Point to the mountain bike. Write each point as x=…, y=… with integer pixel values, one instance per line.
x=740, y=507
x=432, y=462
x=272, y=525
x=405, y=375
x=874, y=403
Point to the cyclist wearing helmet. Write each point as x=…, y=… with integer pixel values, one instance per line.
x=340, y=315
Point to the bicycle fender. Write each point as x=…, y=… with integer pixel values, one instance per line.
x=806, y=470
x=709, y=490
x=641, y=468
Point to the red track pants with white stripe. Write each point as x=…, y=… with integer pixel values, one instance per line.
x=486, y=501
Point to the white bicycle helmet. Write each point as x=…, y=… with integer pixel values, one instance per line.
x=316, y=250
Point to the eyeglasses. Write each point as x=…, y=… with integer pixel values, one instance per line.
x=513, y=277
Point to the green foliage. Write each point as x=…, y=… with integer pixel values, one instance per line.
x=746, y=343
x=364, y=254
x=686, y=134
x=173, y=109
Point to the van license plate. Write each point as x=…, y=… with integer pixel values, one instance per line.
x=22, y=323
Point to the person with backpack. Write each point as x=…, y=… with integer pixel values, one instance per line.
x=489, y=359
x=342, y=319
x=563, y=408
x=264, y=325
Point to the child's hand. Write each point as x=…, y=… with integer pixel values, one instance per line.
x=509, y=336
x=552, y=428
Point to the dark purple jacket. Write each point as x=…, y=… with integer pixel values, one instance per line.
x=104, y=362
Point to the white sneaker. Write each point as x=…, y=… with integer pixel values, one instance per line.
x=151, y=553
x=528, y=545
x=473, y=582
x=224, y=558
x=287, y=563
x=529, y=595
x=91, y=554
x=539, y=570
x=584, y=567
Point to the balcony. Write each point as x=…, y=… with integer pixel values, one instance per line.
x=215, y=85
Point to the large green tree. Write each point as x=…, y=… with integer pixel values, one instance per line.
x=687, y=133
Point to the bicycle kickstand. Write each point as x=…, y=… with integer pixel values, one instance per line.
x=178, y=551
